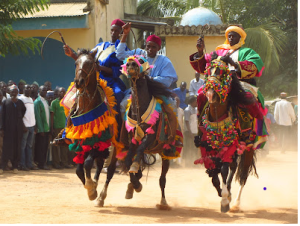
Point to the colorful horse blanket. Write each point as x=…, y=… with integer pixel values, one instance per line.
x=160, y=115
x=96, y=129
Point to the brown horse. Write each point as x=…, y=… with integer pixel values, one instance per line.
x=91, y=125
x=145, y=128
x=222, y=141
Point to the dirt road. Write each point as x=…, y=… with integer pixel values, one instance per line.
x=58, y=197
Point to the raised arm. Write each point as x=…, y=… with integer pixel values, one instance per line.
x=69, y=52
x=122, y=52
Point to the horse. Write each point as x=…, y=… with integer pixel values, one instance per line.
x=91, y=125
x=150, y=126
x=225, y=146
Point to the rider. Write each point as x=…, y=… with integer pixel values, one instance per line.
x=163, y=70
x=109, y=65
x=244, y=61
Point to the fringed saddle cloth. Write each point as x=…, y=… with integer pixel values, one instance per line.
x=159, y=118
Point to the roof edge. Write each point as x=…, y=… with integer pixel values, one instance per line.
x=209, y=30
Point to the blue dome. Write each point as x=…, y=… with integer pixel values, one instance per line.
x=200, y=16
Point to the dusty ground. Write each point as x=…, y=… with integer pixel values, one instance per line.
x=57, y=197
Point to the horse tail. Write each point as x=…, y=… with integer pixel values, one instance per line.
x=246, y=166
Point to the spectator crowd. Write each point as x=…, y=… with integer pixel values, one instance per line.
x=30, y=117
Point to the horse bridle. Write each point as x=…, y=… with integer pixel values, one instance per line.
x=86, y=81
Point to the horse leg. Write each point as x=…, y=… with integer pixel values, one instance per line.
x=80, y=173
x=146, y=141
x=99, y=166
x=134, y=184
x=225, y=202
x=90, y=185
x=216, y=182
x=110, y=173
x=243, y=173
x=162, y=183
x=232, y=168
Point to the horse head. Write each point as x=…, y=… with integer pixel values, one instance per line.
x=135, y=67
x=85, y=68
x=218, y=79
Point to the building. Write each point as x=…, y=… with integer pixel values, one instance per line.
x=181, y=40
x=82, y=24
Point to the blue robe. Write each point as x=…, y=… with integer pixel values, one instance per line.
x=114, y=63
x=163, y=70
x=113, y=81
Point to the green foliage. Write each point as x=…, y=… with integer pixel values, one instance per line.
x=10, y=11
x=269, y=41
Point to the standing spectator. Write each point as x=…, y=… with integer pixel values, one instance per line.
x=34, y=95
x=195, y=84
x=50, y=96
x=58, y=122
x=28, y=136
x=35, y=90
x=10, y=83
x=13, y=128
x=42, y=118
x=190, y=131
x=270, y=121
x=284, y=116
x=48, y=85
x=1, y=132
x=3, y=88
x=21, y=85
x=56, y=95
x=181, y=94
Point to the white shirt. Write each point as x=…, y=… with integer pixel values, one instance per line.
x=29, y=117
x=7, y=96
x=46, y=106
x=190, y=116
x=284, y=113
x=195, y=86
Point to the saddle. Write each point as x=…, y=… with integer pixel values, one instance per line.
x=168, y=134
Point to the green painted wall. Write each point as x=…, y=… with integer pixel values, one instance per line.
x=56, y=66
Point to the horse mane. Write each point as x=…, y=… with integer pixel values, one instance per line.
x=83, y=52
x=157, y=89
x=237, y=95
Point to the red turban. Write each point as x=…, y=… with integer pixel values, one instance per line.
x=117, y=22
x=154, y=38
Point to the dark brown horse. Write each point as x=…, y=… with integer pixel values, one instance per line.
x=224, y=147
x=145, y=119
x=91, y=125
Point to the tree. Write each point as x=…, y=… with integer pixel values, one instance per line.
x=10, y=11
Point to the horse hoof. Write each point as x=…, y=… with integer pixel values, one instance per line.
x=91, y=186
x=129, y=192
x=225, y=209
x=235, y=209
x=100, y=203
x=92, y=195
x=139, y=189
x=134, y=168
x=163, y=207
